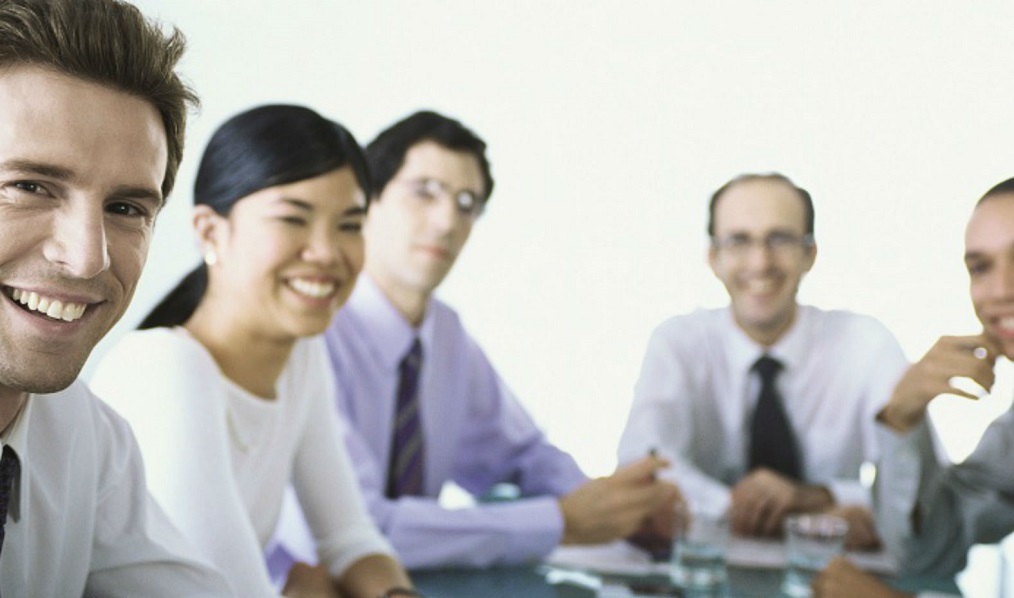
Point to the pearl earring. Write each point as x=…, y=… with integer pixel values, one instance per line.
x=210, y=257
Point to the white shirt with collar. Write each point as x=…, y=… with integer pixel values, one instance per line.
x=696, y=393
x=81, y=521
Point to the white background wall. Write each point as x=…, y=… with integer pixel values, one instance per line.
x=609, y=124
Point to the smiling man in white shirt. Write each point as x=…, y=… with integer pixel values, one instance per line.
x=93, y=117
x=765, y=407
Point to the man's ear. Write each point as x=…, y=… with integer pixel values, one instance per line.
x=712, y=257
x=811, y=257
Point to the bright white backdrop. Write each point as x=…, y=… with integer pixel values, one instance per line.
x=609, y=124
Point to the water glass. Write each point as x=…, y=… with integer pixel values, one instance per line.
x=811, y=541
x=700, y=543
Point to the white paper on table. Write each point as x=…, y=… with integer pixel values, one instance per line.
x=620, y=558
x=617, y=558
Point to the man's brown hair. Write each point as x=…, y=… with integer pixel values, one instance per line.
x=108, y=42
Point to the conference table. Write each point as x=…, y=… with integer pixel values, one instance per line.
x=531, y=582
x=552, y=581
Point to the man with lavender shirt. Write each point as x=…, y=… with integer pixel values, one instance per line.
x=432, y=182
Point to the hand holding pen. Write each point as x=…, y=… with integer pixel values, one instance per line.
x=659, y=528
x=616, y=506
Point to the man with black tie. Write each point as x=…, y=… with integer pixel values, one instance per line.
x=93, y=117
x=765, y=407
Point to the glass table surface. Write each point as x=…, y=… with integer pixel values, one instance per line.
x=531, y=582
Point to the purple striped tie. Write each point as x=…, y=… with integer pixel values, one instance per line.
x=405, y=471
x=9, y=468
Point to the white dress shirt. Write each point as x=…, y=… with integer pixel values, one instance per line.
x=80, y=521
x=220, y=458
x=696, y=394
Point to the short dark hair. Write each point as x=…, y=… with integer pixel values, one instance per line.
x=1001, y=188
x=808, y=214
x=263, y=147
x=386, y=153
x=108, y=42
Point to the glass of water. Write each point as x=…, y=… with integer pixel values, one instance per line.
x=811, y=541
x=700, y=542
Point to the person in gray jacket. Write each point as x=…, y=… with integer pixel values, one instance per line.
x=931, y=515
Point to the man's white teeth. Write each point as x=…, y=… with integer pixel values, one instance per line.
x=54, y=308
x=760, y=286
x=1007, y=323
x=310, y=288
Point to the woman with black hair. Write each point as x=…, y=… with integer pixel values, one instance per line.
x=226, y=385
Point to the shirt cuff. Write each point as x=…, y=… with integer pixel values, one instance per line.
x=545, y=532
x=899, y=476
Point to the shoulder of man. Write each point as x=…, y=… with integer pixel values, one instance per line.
x=845, y=321
x=71, y=414
x=699, y=323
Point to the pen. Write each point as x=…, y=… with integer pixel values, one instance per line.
x=659, y=547
x=653, y=453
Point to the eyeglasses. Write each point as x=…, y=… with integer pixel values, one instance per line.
x=780, y=244
x=467, y=202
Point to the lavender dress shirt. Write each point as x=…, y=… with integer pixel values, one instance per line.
x=476, y=434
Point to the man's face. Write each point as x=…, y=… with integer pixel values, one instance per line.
x=81, y=167
x=416, y=228
x=989, y=258
x=760, y=254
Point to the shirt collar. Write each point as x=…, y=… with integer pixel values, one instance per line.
x=743, y=351
x=389, y=334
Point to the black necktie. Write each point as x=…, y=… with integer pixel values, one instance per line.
x=405, y=471
x=772, y=443
x=9, y=468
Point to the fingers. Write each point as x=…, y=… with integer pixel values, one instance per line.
x=646, y=500
x=862, y=534
x=307, y=580
x=760, y=501
x=842, y=579
x=677, y=494
x=746, y=502
x=967, y=355
x=656, y=533
x=760, y=515
x=606, y=509
x=635, y=488
x=992, y=348
x=638, y=471
x=961, y=355
x=838, y=579
x=971, y=357
x=771, y=523
x=659, y=510
x=824, y=583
